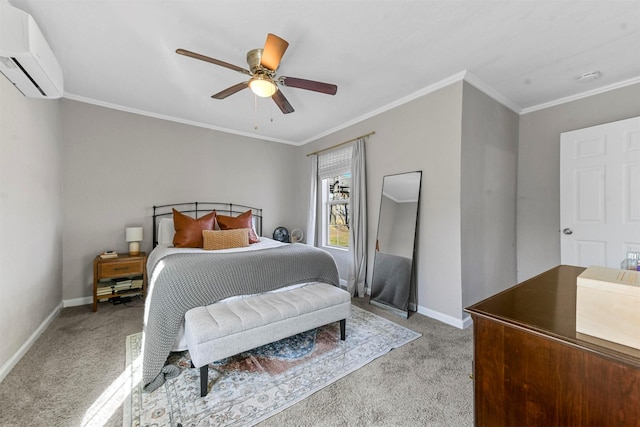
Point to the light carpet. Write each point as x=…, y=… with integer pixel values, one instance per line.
x=255, y=385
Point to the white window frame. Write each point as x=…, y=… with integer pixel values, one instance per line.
x=332, y=164
x=326, y=208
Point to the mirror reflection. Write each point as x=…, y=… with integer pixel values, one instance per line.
x=395, y=242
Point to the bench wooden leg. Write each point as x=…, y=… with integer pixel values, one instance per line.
x=343, y=327
x=204, y=379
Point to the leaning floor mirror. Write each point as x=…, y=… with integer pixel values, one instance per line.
x=395, y=242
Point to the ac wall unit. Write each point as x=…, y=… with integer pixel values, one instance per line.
x=25, y=56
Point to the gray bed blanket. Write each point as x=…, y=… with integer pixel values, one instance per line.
x=180, y=282
x=391, y=279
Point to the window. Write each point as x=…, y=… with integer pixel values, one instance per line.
x=335, y=216
x=334, y=171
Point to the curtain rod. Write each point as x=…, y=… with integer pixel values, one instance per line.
x=342, y=143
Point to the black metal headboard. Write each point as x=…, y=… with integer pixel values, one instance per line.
x=199, y=208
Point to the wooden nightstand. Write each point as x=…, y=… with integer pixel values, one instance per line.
x=126, y=266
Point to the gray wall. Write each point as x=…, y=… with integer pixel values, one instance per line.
x=488, y=196
x=385, y=223
x=401, y=228
x=425, y=135
x=30, y=220
x=117, y=165
x=466, y=144
x=538, y=216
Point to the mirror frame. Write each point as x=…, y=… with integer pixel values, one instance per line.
x=400, y=308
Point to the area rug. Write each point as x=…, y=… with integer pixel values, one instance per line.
x=250, y=387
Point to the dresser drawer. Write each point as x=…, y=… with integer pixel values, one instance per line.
x=120, y=268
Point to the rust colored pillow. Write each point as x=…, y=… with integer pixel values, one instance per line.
x=225, y=239
x=189, y=230
x=243, y=220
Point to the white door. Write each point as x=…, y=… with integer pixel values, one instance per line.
x=600, y=194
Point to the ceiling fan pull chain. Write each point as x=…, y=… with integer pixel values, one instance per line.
x=255, y=112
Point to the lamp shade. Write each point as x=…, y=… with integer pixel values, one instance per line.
x=133, y=234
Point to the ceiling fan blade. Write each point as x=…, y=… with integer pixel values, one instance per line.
x=282, y=102
x=327, y=88
x=231, y=90
x=274, y=48
x=213, y=61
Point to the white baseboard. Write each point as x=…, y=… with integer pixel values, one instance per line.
x=463, y=323
x=13, y=361
x=77, y=301
x=466, y=321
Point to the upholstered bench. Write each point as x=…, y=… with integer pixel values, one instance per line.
x=232, y=326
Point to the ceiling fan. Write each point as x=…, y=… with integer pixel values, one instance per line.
x=263, y=65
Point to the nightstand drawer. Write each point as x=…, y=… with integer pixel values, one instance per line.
x=121, y=268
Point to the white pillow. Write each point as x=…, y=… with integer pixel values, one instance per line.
x=254, y=223
x=166, y=231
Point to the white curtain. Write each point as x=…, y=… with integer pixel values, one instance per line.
x=358, y=227
x=313, y=201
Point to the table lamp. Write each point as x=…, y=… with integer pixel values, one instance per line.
x=133, y=235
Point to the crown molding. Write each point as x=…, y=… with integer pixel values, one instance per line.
x=92, y=101
x=465, y=75
x=582, y=95
x=490, y=91
x=422, y=92
x=479, y=84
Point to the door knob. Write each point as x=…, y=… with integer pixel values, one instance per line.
x=567, y=231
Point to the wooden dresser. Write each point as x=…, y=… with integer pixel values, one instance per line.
x=531, y=367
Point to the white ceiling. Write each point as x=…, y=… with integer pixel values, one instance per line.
x=527, y=54
x=402, y=188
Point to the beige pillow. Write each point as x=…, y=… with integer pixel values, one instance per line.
x=225, y=239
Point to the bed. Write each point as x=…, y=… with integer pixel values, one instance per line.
x=182, y=278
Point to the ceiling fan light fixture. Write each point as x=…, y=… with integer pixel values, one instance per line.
x=263, y=86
